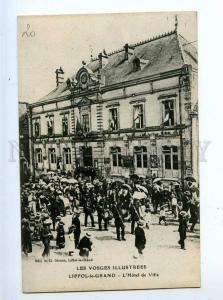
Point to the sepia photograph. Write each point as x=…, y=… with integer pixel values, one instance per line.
x=109, y=151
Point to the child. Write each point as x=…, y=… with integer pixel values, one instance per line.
x=183, y=218
x=147, y=217
x=85, y=245
x=174, y=205
x=162, y=217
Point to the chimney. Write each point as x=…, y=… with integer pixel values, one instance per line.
x=129, y=50
x=68, y=82
x=59, y=76
x=103, y=59
x=126, y=48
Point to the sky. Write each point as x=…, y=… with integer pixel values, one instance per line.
x=47, y=42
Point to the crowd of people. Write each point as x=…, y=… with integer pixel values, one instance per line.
x=46, y=201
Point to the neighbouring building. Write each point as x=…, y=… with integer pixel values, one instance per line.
x=131, y=111
x=24, y=153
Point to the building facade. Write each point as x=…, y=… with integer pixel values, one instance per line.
x=132, y=111
x=24, y=153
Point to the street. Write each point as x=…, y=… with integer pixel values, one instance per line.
x=162, y=255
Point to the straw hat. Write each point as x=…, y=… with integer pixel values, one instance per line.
x=140, y=223
x=47, y=222
x=88, y=235
x=183, y=213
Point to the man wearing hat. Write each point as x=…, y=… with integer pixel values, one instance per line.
x=76, y=228
x=183, y=218
x=85, y=245
x=89, y=207
x=119, y=221
x=140, y=238
x=102, y=207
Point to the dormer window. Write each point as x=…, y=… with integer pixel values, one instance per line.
x=136, y=64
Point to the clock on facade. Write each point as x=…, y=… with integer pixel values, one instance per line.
x=84, y=78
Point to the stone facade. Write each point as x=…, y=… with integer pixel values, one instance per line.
x=145, y=125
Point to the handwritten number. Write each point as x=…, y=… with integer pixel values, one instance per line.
x=28, y=32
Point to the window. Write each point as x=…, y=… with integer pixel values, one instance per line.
x=39, y=156
x=86, y=122
x=65, y=125
x=37, y=128
x=50, y=125
x=52, y=155
x=175, y=158
x=170, y=158
x=136, y=64
x=67, y=156
x=138, y=116
x=140, y=154
x=113, y=119
x=116, y=156
x=168, y=110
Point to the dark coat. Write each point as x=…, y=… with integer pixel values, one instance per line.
x=86, y=243
x=60, y=235
x=26, y=239
x=77, y=225
x=54, y=209
x=89, y=204
x=140, y=239
x=182, y=227
x=134, y=211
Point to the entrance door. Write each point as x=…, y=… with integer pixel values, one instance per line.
x=170, y=161
x=87, y=157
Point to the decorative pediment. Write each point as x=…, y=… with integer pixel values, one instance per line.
x=85, y=78
x=85, y=101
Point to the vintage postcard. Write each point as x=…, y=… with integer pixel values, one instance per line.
x=108, y=116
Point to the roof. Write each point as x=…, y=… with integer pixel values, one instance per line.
x=160, y=54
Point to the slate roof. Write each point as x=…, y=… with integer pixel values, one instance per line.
x=160, y=54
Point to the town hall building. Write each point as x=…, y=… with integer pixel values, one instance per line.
x=131, y=111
